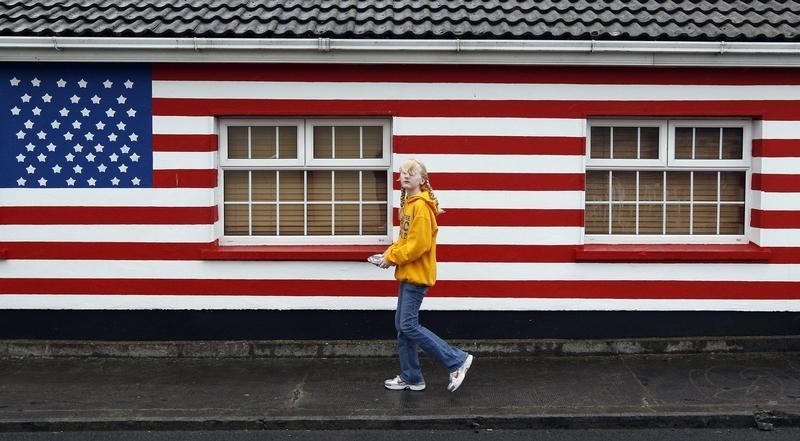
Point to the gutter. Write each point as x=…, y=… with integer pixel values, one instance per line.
x=325, y=50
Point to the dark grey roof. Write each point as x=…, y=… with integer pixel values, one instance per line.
x=690, y=20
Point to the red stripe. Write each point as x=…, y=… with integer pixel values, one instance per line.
x=107, y=215
x=776, y=148
x=476, y=74
x=104, y=250
x=463, y=217
x=184, y=178
x=505, y=181
x=768, y=110
x=775, y=219
x=588, y=289
x=776, y=183
x=490, y=145
x=184, y=143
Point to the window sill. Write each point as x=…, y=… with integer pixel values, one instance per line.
x=672, y=253
x=357, y=253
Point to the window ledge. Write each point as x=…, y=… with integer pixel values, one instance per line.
x=672, y=253
x=292, y=252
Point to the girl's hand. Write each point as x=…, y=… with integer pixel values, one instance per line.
x=384, y=263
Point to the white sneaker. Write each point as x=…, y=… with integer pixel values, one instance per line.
x=397, y=383
x=458, y=375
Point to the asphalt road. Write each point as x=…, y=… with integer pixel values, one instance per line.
x=778, y=434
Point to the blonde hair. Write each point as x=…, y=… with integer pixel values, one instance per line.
x=411, y=166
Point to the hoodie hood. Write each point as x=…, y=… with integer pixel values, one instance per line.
x=424, y=196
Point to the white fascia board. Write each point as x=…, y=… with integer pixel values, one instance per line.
x=324, y=50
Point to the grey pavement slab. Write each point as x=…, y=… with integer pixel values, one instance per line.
x=687, y=390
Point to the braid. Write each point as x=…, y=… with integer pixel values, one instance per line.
x=402, y=203
x=428, y=187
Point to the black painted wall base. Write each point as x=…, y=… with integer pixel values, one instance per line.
x=357, y=325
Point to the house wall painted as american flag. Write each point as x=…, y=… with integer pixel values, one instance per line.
x=505, y=147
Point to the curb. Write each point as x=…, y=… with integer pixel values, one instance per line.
x=387, y=348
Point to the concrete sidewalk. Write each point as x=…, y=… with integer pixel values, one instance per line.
x=678, y=390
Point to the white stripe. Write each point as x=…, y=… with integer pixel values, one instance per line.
x=777, y=166
x=508, y=235
x=776, y=237
x=776, y=129
x=184, y=125
x=137, y=302
x=463, y=271
x=286, y=90
x=447, y=163
x=489, y=126
x=109, y=197
x=108, y=233
x=775, y=201
x=505, y=199
x=185, y=160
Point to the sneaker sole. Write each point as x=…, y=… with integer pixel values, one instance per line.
x=467, y=365
x=415, y=388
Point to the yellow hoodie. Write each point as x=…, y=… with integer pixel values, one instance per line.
x=414, y=252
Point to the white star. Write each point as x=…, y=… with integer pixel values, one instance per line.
x=121, y=99
x=71, y=182
x=42, y=182
x=131, y=113
x=115, y=181
x=85, y=112
x=89, y=136
x=95, y=99
x=36, y=82
x=57, y=169
x=136, y=181
x=68, y=136
x=20, y=135
x=102, y=168
x=30, y=147
x=30, y=169
x=100, y=125
x=47, y=98
x=15, y=110
x=125, y=149
x=41, y=135
x=113, y=157
x=51, y=147
x=28, y=124
x=74, y=99
x=135, y=157
x=76, y=124
x=20, y=158
x=41, y=157
x=64, y=111
x=107, y=84
x=123, y=168
x=90, y=157
x=134, y=137
x=61, y=82
x=78, y=148
x=21, y=182
x=110, y=112
x=99, y=148
x=15, y=81
x=129, y=84
x=121, y=125
x=36, y=111
x=82, y=83
x=26, y=98
x=91, y=182
x=55, y=124
x=69, y=157
x=78, y=169
x=112, y=137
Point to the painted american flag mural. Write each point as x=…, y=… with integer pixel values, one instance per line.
x=505, y=147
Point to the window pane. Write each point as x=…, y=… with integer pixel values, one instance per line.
x=648, y=142
x=683, y=142
x=626, y=142
x=651, y=186
x=323, y=142
x=319, y=185
x=287, y=138
x=678, y=218
x=237, y=186
x=706, y=143
x=596, y=218
x=265, y=220
x=623, y=219
x=263, y=142
x=264, y=184
x=291, y=220
x=705, y=186
x=374, y=183
x=372, y=140
x=601, y=142
x=238, y=139
x=732, y=143
x=319, y=219
x=373, y=217
x=292, y=186
x=678, y=186
x=623, y=186
x=348, y=142
x=705, y=219
x=346, y=222
x=237, y=220
x=346, y=186
x=597, y=185
x=731, y=219
x=651, y=219
x=732, y=186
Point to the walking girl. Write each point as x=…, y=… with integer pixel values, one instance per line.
x=414, y=256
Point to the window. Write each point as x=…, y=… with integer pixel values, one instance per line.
x=679, y=181
x=304, y=181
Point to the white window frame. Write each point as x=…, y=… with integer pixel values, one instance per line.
x=667, y=162
x=304, y=162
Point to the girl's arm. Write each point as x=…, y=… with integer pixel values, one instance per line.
x=417, y=243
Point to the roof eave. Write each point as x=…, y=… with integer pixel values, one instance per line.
x=324, y=50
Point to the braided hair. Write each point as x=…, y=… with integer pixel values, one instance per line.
x=414, y=165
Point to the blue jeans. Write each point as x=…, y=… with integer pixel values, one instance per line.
x=411, y=336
